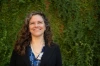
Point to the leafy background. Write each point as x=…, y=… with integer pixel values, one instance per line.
x=75, y=26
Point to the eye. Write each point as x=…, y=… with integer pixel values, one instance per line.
x=31, y=23
x=40, y=22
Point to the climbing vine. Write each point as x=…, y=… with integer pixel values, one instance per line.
x=75, y=26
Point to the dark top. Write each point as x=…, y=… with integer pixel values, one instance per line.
x=51, y=57
x=35, y=60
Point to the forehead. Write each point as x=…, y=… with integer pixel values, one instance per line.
x=36, y=18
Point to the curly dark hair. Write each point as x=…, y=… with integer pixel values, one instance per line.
x=24, y=37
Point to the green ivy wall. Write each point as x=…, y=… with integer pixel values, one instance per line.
x=75, y=26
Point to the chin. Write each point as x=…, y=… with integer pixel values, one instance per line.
x=38, y=35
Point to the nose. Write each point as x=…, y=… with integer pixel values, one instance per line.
x=36, y=25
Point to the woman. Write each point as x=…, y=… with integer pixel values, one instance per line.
x=34, y=46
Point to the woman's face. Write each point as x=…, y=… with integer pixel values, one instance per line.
x=37, y=26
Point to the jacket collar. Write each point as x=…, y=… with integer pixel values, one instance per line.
x=46, y=56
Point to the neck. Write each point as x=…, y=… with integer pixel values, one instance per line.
x=37, y=41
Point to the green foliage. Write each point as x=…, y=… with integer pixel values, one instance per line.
x=81, y=24
x=75, y=25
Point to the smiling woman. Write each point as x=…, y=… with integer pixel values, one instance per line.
x=34, y=46
x=37, y=26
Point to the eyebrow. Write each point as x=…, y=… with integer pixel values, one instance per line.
x=37, y=21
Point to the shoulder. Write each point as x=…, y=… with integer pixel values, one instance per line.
x=14, y=53
x=55, y=45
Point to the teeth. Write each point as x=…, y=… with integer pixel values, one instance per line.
x=37, y=29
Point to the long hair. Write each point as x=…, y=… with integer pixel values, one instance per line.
x=24, y=37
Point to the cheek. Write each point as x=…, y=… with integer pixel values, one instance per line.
x=44, y=27
x=30, y=26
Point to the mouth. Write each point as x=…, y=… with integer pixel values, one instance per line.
x=36, y=29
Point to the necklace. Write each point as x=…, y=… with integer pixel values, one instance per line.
x=36, y=52
x=33, y=50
